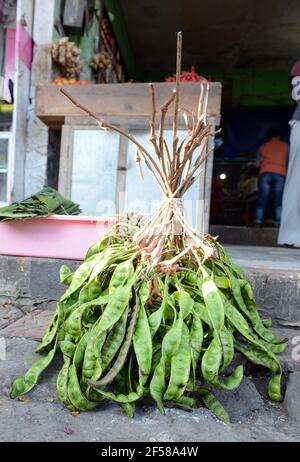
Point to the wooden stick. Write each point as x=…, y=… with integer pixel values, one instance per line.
x=152, y=121
x=169, y=162
x=200, y=101
x=178, y=73
x=153, y=137
x=163, y=111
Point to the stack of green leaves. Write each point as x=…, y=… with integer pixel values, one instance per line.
x=46, y=202
x=127, y=334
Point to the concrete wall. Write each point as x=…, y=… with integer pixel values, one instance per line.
x=39, y=143
x=37, y=132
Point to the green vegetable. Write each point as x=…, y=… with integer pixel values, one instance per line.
x=154, y=310
x=46, y=202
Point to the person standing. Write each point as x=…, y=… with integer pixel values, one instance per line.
x=272, y=162
x=289, y=232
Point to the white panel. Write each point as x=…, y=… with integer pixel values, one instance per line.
x=94, y=171
x=144, y=196
x=5, y=171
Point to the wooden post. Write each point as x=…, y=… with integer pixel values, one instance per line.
x=65, y=165
x=24, y=28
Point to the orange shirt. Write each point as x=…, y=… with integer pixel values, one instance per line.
x=274, y=156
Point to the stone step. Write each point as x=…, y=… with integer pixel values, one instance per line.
x=31, y=283
x=243, y=235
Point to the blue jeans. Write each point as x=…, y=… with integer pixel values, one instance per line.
x=267, y=183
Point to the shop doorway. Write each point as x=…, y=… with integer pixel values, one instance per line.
x=235, y=173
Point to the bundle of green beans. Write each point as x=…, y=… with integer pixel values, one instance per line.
x=129, y=334
x=157, y=312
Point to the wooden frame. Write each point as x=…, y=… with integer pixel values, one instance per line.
x=9, y=170
x=85, y=123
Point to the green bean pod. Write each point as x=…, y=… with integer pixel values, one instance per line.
x=201, y=310
x=180, y=367
x=241, y=325
x=171, y=343
x=49, y=334
x=267, y=335
x=62, y=385
x=73, y=323
x=75, y=394
x=213, y=404
x=80, y=276
x=121, y=274
x=97, y=347
x=121, y=398
x=119, y=363
x=65, y=275
x=80, y=349
x=154, y=320
x=186, y=303
x=274, y=387
x=98, y=247
x=196, y=338
x=258, y=356
x=118, y=302
x=25, y=384
x=213, y=303
x=67, y=348
x=142, y=340
x=114, y=341
x=157, y=385
x=186, y=402
x=211, y=361
x=226, y=339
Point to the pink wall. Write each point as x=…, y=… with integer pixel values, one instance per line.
x=18, y=42
x=9, y=62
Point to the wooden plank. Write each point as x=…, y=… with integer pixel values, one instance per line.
x=201, y=207
x=208, y=179
x=124, y=99
x=132, y=122
x=121, y=174
x=65, y=162
x=205, y=180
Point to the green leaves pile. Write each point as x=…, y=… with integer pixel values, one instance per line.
x=129, y=334
x=46, y=202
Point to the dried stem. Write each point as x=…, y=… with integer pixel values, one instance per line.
x=153, y=137
x=164, y=110
x=178, y=74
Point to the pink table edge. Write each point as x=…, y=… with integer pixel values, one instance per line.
x=57, y=236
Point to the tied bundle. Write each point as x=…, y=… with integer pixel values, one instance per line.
x=157, y=310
